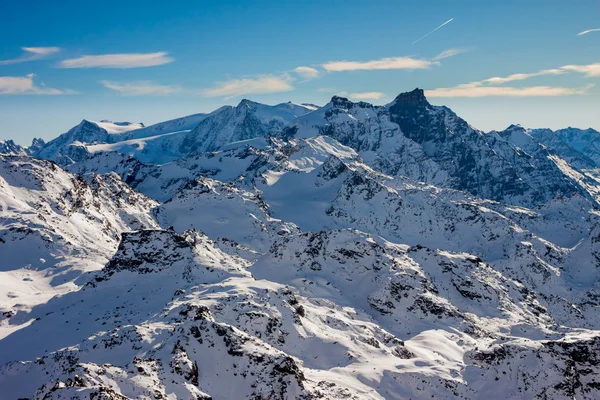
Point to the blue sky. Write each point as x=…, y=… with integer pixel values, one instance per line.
x=495, y=62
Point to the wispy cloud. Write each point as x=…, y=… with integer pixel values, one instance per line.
x=10, y=85
x=450, y=53
x=491, y=86
x=32, y=54
x=384, y=63
x=429, y=33
x=257, y=85
x=367, y=95
x=590, y=70
x=520, y=77
x=307, y=72
x=477, y=89
x=140, y=88
x=132, y=60
x=588, y=31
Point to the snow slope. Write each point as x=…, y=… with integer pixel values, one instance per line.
x=56, y=227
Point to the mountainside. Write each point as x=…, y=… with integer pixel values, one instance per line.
x=157, y=143
x=56, y=227
x=85, y=132
x=170, y=140
x=409, y=137
x=580, y=143
x=246, y=121
x=350, y=251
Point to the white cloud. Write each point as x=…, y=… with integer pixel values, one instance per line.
x=32, y=54
x=590, y=70
x=477, y=89
x=521, y=77
x=489, y=87
x=15, y=85
x=259, y=85
x=41, y=51
x=588, y=31
x=367, y=95
x=307, y=72
x=140, y=88
x=132, y=60
x=449, y=53
x=25, y=85
x=325, y=90
x=384, y=63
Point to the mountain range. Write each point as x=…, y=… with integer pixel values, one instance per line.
x=293, y=251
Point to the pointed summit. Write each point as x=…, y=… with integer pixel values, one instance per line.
x=415, y=97
x=339, y=101
x=513, y=127
x=246, y=103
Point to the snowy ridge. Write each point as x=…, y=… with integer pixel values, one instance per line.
x=9, y=147
x=170, y=140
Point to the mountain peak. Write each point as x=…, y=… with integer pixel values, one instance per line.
x=246, y=103
x=339, y=101
x=88, y=124
x=414, y=97
x=512, y=127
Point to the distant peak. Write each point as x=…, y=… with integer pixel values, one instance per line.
x=87, y=122
x=514, y=127
x=414, y=97
x=339, y=98
x=339, y=101
x=37, y=142
x=246, y=103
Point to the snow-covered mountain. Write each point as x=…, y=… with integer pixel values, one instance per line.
x=295, y=252
x=170, y=140
x=56, y=227
x=410, y=137
x=572, y=142
x=9, y=147
x=86, y=132
x=248, y=120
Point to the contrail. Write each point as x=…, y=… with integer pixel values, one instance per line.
x=427, y=34
x=588, y=31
